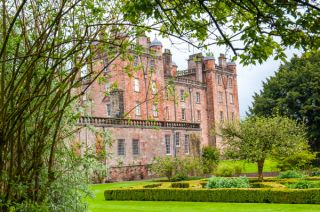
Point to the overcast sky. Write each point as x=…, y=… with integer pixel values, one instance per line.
x=250, y=78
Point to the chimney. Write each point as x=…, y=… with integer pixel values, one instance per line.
x=222, y=61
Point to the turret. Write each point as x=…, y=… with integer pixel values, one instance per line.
x=222, y=61
x=209, y=63
x=156, y=46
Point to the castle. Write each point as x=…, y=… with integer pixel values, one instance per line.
x=154, y=110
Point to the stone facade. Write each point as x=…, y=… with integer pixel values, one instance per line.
x=169, y=102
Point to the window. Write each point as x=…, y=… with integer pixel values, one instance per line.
x=183, y=113
x=136, y=60
x=155, y=110
x=198, y=98
x=154, y=87
x=136, y=85
x=231, y=98
x=152, y=64
x=107, y=87
x=221, y=116
x=168, y=144
x=108, y=110
x=219, y=79
x=186, y=145
x=229, y=82
x=135, y=147
x=167, y=113
x=177, y=138
x=220, y=98
x=199, y=115
x=182, y=97
x=121, y=147
x=138, y=109
x=232, y=116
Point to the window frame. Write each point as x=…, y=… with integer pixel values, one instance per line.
x=121, y=141
x=167, y=143
x=108, y=106
x=138, y=109
x=182, y=97
x=187, y=144
x=137, y=142
x=197, y=97
x=183, y=114
x=155, y=110
x=136, y=85
x=177, y=139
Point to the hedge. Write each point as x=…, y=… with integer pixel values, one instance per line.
x=180, y=185
x=152, y=185
x=263, y=195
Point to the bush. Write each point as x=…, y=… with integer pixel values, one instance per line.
x=225, y=171
x=300, y=185
x=222, y=182
x=210, y=159
x=290, y=174
x=180, y=185
x=152, y=185
x=300, y=160
x=262, y=195
x=164, y=166
x=176, y=169
x=315, y=172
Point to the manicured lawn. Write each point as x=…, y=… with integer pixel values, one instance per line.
x=99, y=204
x=269, y=166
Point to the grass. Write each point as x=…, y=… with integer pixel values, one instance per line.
x=99, y=204
x=269, y=165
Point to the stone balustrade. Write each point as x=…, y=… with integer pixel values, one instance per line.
x=100, y=121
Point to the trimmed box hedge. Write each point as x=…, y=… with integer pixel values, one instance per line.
x=263, y=195
x=180, y=185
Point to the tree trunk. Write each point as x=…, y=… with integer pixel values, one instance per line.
x=260, y=169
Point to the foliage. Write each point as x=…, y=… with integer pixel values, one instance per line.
x=164, y=166
x=258, y=138
x=177, y=169
x=155, y=185
x=223, y=182
x=303, y=184
x=225, y=171
x=245, y=195
x=48, y=49
x=290, y=174
x=253, y=30
x=294, y=92
x=180, y=185
x=315, y=172
x=299, y=160
x=210, y=159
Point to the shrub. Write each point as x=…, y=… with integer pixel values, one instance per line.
x=261, y=195
x=210, y=159
x=300, y=160
x=300, y=185
x=152, y=185
x=222, y=182
x=164, y=166
x=180, y=185
x=315, y=172
x=290, y=174
x=178, y=178
x=176, y=169
x=225, y=171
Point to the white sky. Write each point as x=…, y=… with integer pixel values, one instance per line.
x=250, y=78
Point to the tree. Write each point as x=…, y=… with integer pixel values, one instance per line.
x=258, y=138
x=45, y=48
x=254, y=30
x=294, y=91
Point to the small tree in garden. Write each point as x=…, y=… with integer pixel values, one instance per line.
x=164, y=166
x=210, y=159
x=258, y=138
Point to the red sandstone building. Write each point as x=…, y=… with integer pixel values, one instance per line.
x=155, y=109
